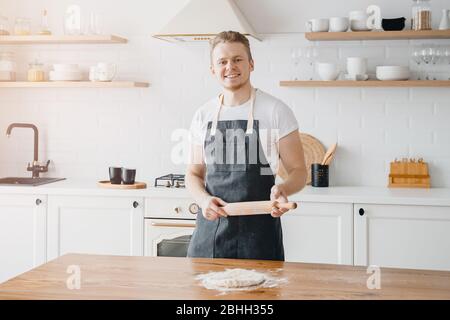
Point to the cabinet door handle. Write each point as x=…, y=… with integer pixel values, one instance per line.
x=135, y=204
x=38, y=201
x=361, y=211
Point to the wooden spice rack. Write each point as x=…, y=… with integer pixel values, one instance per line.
x=409, y=173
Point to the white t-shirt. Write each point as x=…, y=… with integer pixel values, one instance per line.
x=275, y=118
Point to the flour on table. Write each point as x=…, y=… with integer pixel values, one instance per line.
x=238, y=280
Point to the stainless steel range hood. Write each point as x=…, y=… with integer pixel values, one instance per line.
x=201, y=20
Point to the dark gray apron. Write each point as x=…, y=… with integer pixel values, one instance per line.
x=238, y=237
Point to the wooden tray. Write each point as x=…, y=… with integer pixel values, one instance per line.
x=108, y=184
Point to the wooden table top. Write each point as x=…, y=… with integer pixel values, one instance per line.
x=121, y=277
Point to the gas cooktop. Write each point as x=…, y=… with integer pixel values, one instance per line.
x=170, y=181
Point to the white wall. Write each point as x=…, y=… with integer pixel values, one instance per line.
x=83, y=131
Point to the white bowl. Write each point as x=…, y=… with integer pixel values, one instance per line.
x=65, y=67
x=327, y=71
x=392, y=73
x=358, y=25
x=65, y=76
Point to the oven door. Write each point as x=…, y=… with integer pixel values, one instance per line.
x=167, y=237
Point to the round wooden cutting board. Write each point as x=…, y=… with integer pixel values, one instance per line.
x=314, y=152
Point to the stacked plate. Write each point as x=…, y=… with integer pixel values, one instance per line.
x=65, y=72
x=392, y=73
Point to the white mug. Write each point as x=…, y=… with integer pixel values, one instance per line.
x=356, y=66
x=106, y=71
x=318, y=25
x=93, y=73
x=327, y=71
x=339, y=24
x=358, y=20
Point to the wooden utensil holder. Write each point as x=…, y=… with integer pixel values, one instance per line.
x=409, y=174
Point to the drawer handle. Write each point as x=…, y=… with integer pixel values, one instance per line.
x=38, y=201
x=361, y=211
x=177, y=210
x=135, y=204
x=175, y=225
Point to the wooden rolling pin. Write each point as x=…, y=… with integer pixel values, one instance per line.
x=255, y=207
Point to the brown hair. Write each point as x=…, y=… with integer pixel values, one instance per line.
x=231, y=36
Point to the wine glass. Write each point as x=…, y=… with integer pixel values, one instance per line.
x=427, y=57
x=311, y=54
x=446, y=56
x=416, y=57
x=296, y=55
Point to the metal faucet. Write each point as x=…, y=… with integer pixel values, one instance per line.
x=35, y=168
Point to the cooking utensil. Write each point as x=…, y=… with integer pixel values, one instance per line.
x=314, y=152
x=255, y=207
x=329, y=155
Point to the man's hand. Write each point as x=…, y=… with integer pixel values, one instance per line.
x=278, y=194
x=212, y=208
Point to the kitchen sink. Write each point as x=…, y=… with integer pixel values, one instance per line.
x=20, y=181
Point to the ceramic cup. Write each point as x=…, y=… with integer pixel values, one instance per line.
x=327, y=71
x=106, y=71
x=128, y=175
x=339, y=24
x=358, y=20
x=93, y=73
x=103, y=71
x=115, y=175
x=318, y=25
x=356, y=66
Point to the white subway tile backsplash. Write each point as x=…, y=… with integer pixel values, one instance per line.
x=413, y=109
x=385, y=94
x=338, y=94
x=83, y=131
x=441, y=95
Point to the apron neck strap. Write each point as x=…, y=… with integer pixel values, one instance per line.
x=250, y=113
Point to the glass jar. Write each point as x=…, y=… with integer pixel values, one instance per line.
x=36, y=72
x=421, y=15
x=22, y=27
x=7, y=66
x=4, y=26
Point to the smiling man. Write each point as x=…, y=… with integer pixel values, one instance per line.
x=237, y=140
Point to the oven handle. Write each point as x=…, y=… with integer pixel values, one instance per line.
x=176, y=225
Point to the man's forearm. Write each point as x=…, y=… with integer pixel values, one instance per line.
x=295, y=182
x=196, y=187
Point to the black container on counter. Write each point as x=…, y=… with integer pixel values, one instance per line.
x=319, y=175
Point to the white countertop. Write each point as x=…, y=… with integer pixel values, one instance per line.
x=338, y=194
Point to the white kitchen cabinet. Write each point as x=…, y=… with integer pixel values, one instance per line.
x=95, y=225
x=402, y=236
x=22, y=233
x=319, y=233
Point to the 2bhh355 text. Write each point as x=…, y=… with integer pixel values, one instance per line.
x=226, y=309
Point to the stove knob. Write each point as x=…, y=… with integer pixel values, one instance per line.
x=177, y=210
x=194, y=208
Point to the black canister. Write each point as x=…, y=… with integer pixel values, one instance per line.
x=319, y=175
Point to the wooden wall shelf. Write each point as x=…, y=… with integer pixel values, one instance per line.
x=378, y=35
x=64, y=39
x=368, y=83
x=74, y=84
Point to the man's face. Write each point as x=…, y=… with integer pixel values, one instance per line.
x=231, y=65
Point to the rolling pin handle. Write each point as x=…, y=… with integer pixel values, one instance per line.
x=288, y=205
